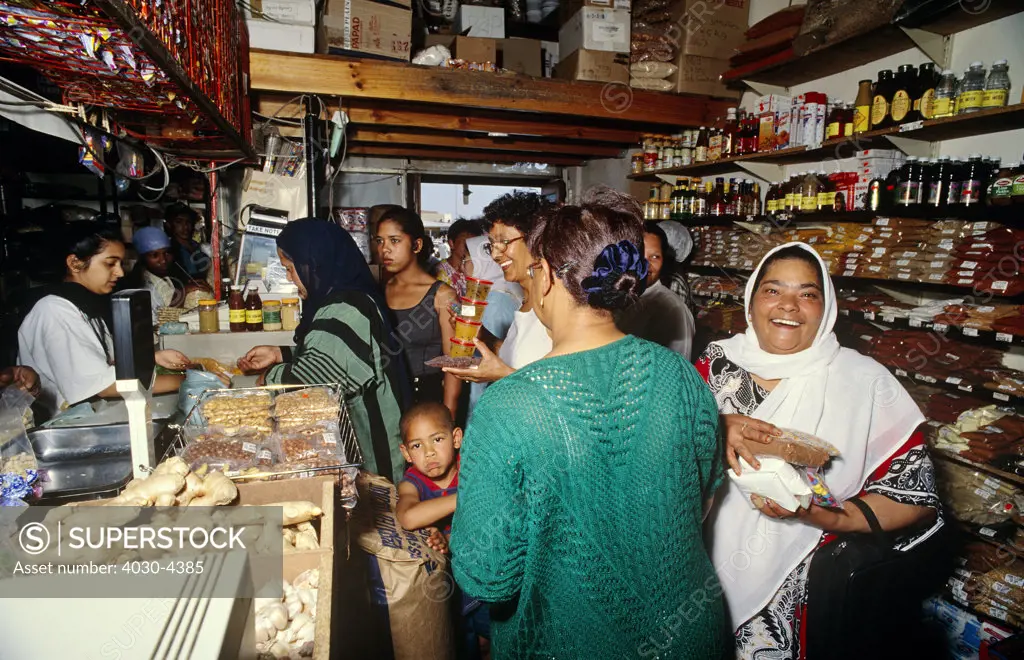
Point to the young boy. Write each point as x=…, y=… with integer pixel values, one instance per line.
x=427, y=497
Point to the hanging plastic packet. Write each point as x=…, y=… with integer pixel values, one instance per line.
x=89, y=43
x=107, y=58
x=128, y=56
x=148, y=72
x=19, y=471
x=87, y=152
x=130, y=162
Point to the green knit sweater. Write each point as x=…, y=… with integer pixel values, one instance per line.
x=344, y=346
x=581, y=493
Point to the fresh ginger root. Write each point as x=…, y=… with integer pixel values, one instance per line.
x=298, y=511
x=216, y=490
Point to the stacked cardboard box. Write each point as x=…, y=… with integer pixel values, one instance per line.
x=707, y=34
x=288, y=25
x=593, y=44
x=364, y=27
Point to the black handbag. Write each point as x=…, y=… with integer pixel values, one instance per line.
x=864, y=597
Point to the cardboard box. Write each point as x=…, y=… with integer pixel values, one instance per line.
x=323, y=560
x=700, y=75
x=471, y=49
x=522, y=56
x=362, y=26
x=318, y=490
x=549, y=58
x=592, y=28
x=292, y=12
x=281, y=36
x=594, y=65
x=481, y=21
x=710, y=29
x=568, y=8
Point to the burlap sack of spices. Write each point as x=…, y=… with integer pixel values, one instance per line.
x=409, y=581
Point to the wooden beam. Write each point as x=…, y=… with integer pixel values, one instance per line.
x=397, y=81
x=361, y=135
x=377, y=114
x=421, y=153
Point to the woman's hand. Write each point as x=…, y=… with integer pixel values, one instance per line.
x=172, y=360
x=260, y=358
x=772, y=509
x=22, y=377
x=740, y=430
x=437, y=541
x=490, y=369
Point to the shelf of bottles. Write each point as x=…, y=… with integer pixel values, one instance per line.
x=693, y=200
x=914, y=103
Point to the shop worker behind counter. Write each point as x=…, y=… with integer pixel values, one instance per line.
x=66, y=337
x=585, y=475
x=344, y=337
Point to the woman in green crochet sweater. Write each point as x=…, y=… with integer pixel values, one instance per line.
x=581, y=503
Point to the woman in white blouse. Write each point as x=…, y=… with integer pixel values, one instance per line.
x=66, y=337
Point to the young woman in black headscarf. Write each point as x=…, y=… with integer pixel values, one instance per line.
x=344, y=337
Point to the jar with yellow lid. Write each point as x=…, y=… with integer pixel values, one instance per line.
x=271, y=315
x=209, y=321
x=289, y=313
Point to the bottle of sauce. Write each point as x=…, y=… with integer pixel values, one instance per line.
x=272, y=315
x=791, y=200
x=834, y=122
x=756, y=207
x=862, y=108
x=973, y=181
x=908, y=190
x=848, y=115
x=1000, y=191
x=809, y=188
x=770, y=205
x=826, y=194
x=730, y=138
x=289, y=314
x=956, y=173
x=924, y=96
x=209, y=322
x=700, y=152
x=902, y=110
x=253, y=311
x=881, y=115
x=938, y=183
x=715, y=141
x=236, y=310
x=972, y=90
x=650, y=154
x=1018, y=186
x=997, y=86
x=717, y=201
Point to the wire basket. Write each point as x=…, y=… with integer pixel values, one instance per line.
x=350, y=456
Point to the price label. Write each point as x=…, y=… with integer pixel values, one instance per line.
x=1000, y=396
x=987, y=531
x=870, y=316
x=965, y=388
x=1000, y=286
x=970, y=332
x=882, y=222
x=991, y=483
x=940, y=327
x=889, y=318
x=866, y=337
x=926, y=379
x=330, y=439
x=849, y=273
x=1015, y=580
x=903, y=276
x=749, y=263
x=468, y=310
x=264, y=455
x=844, y=312
x=912, y=126
x=954, y=380
x=985, y=309
x=900, y=372
x=984, y=493
x=249, y=447
x=915, y=323
x=1002, y=336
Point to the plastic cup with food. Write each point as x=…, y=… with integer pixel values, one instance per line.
x=472, y=309
x=477, y=289
x=466, y=329
x=462, y=348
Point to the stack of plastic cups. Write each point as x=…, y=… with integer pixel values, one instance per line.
x=468, y=315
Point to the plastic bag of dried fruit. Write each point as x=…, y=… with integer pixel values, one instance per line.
x=19, y=471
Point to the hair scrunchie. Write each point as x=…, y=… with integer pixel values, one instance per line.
x=616, y=260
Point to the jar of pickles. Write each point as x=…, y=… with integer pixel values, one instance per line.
x=272, y=315
x=289, y=314
x=209, y=321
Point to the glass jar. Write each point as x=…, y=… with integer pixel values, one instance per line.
x=289, y=314
x=272, y=315
x=209, y=321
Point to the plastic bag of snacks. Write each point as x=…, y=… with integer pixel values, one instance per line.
x=236, y=412
x=230, y=454
x=798, y=448
x=19, y=472
x=304, y=408
x=317, y=440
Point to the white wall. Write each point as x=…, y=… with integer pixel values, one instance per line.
x=447, y=198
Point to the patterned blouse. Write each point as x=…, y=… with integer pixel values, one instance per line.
x=908, y=477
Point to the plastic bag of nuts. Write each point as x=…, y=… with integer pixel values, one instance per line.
x=320, y=440
x=228, y=453
x=238, y=412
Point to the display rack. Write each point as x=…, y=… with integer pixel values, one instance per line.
x=984, y=122
x=147, y=63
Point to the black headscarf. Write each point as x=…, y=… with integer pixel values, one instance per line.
x=329, y=263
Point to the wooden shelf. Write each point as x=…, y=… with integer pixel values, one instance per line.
x=994, y=120
x=945, y=455
x=809, y=62
x=396, y=108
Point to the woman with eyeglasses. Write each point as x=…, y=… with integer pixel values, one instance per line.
x=585, y=476
x=419, y=301
x=508, y=220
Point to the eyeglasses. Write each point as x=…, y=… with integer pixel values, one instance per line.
x=488, y=247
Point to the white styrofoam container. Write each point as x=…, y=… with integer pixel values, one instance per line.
x=293, y=12
x=281, y=36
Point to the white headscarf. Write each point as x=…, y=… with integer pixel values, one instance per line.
x=486, y=268
x=679, y=238
x=834, y=393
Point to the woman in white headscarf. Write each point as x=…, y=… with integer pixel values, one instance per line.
x=788, y=371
